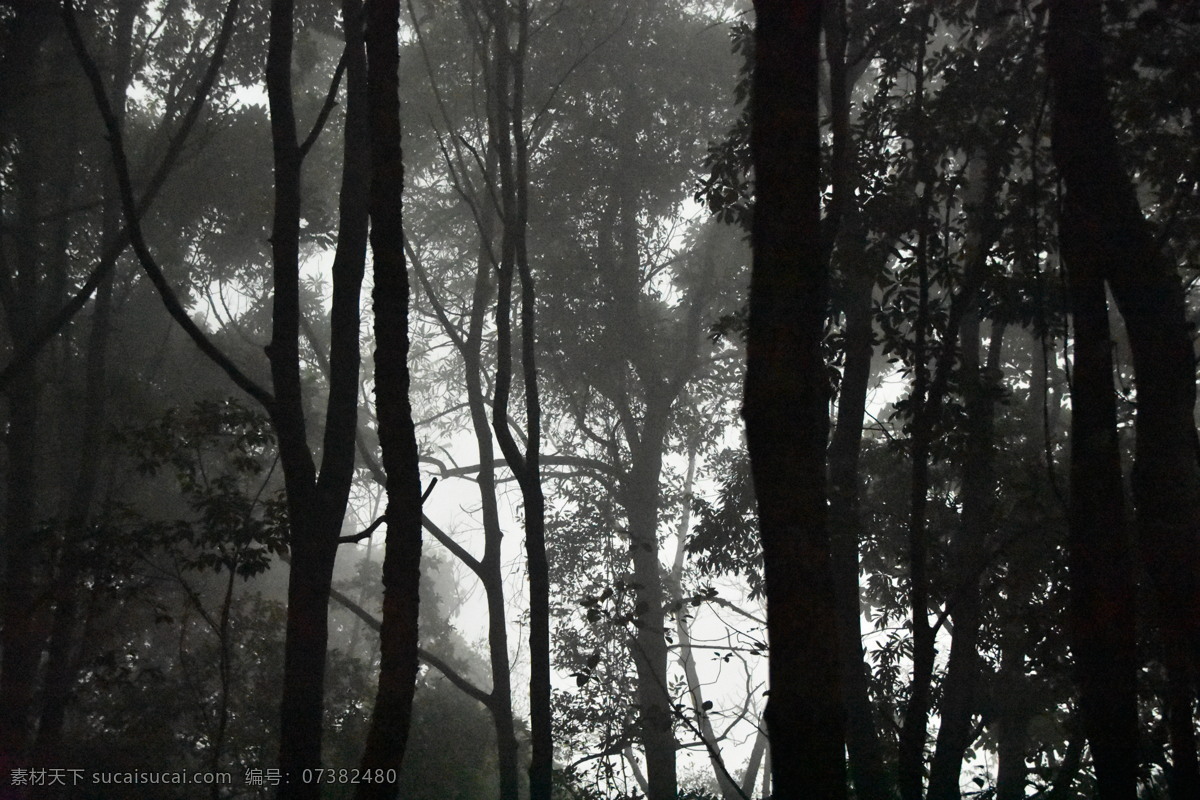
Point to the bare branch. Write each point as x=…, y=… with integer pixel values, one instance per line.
x=112, y=252
x=326, y=107
x=121, y=165
x=365, y=534
x=582, y=462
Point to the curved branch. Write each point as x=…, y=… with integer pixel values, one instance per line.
x=128, y=204
x=108, y=258
x=364, y=534
x=326, y=107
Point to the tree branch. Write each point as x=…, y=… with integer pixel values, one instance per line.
x=452, y=675
x=326, y=107
x=365, y=534
x=446, y=539
x=552, y=461
x=121, y=165
x=108, y=258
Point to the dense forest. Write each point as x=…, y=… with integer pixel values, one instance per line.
x=551, y=399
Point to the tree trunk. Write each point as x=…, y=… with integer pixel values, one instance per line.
x=491, y=568
x=925, y=403
x=20, y=641
x=1106, y=237
x=19, y=638
x=687, y=658
x=641, y=497
x=316, y=504
x=864, y=751
x=312, y=548
x=1102, y=588
x=757, y=752
x=512, y=149
x=786, y=405
x=1010, y=691
x=867, y=772
x=388, y=735
x=969, y=548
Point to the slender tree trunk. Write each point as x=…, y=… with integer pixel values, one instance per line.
x=20, y=641
x=392, y=714
x=757, y=752
x=491, y=567
x=786, y=405
x=871, y=781
x=541, y=765
x=1010, y=690
x=641, y=498
x=316, y=503
x=641, y=494
x=913, y=732
x=312, y=548
x=968, y=549
x=960, y=688
x=865, y=754
x=509, y=146
x=687, y=658
x=964, y=671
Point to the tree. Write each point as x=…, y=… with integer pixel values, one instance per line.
x=316, y=500
x=495, y=190
x=786, y=409
x=1106, y=242
x=397, y=436
x=631, y=288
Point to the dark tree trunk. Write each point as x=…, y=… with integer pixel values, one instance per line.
x=312, y=547
x=20, y=642
x=316, y=504
x=1106, y=238
x=392, y=714
x=925, y=403
x=508, y=156
x=786, y=405
x=1102, y=586
x=911, y=767
x=490, y=568
x=512, y=150
x=1010, y=691
x=870, y=778
x=641, y=499
x=501, y=65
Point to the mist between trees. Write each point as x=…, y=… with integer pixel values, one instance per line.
x=375, y=376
